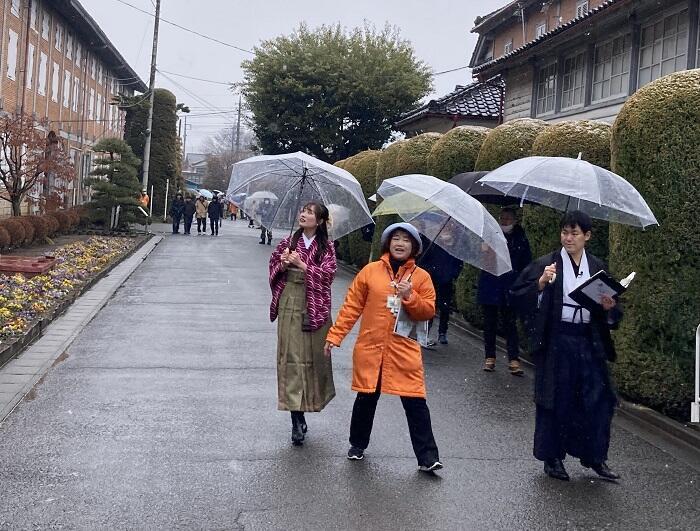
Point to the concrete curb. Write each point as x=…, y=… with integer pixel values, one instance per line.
x=645, y=417
x=20, y=375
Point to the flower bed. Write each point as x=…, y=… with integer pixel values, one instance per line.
x=24, y=301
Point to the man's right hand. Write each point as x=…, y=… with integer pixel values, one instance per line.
x=549, y=273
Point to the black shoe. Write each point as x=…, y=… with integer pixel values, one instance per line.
x=269, y=242
x=262, y=242
x=603, y=470
x=297, y=433
x=356, y=454
x=437, y=465
x=554, y=468
x=302, y=421
x=442, y=339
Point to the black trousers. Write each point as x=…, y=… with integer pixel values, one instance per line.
x=443, y=302
x=176, y=224
x=201, y=224
x=188, y=224
x=265, y=233
x=491, y=313
x=214, y=224
x=419, y=425
x=584, y=403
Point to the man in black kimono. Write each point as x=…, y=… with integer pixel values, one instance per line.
x=570, y=346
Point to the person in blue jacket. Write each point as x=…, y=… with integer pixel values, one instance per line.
x=494, y=298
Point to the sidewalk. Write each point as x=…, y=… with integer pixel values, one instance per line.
x=162, y=415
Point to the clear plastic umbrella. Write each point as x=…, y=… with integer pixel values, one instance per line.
x=295, y=179
x=572, y=184
x=205, y=193
x=448, y=217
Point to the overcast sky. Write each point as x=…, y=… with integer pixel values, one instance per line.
x=439, y=31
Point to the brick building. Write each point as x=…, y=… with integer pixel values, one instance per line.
x=581, y=59
x=56, y=63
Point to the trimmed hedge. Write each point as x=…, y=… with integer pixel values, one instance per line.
x=656, y=147
x=41, y=227
x=20, y=231
x=456, y=152
x=28, y=229
x=364, y=167
x=53, y=224
x=507, y=142
x=4, y=238
x=64, y=220
x=568, y=139
x=15, y=230
x=386, y=168
x=413, y=156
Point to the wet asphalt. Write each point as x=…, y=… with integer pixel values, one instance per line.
x=162, y=415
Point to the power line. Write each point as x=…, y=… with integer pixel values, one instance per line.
x=452, y=70
x=196, y=78
x=186, y=29
x=192, y=94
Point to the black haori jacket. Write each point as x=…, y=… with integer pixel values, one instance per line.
x=538, y=320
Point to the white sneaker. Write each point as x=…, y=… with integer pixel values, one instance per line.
x=437, y=465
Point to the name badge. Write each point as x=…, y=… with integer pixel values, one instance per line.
x=393, y=303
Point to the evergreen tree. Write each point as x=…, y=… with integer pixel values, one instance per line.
x=115, y=182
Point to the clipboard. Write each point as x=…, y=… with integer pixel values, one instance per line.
x=589, y=293
x=406, y=327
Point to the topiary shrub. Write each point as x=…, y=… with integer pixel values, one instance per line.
x=28, y=229
x=364, y=167
x=413, y=156
x=456, y=152
x=386, y=168
x=15, y=230
x=656, y=147
x=52, y=224
x=41, y=227
x=63, y=219
x=507, y=142
x=568, y=139
x=4, y=238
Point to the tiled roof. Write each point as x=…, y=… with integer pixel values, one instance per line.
x=477, y=100
x=559, y=29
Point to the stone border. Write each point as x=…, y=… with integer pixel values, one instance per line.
x=19, y=344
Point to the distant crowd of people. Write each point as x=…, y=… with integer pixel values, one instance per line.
x=186, y=209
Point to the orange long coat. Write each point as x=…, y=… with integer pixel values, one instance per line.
x=377, y=348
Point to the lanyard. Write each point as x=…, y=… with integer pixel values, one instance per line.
x=392, y=277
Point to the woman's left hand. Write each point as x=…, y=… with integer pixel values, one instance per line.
x=296, y=260
x=404, y=288
x=608, y=303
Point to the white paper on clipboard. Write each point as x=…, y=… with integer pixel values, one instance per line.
x=597, y=289
x=408, y=328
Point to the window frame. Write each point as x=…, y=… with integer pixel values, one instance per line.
x=16, y=7
x=55, y=81
x=584, y=79
x=12, y=54
x=652, y=24
x=31, y=53
x=553, y=66
x=540, y=29
x=625, y=91
x=581, y=8
x=42, y=82
x=508, y=47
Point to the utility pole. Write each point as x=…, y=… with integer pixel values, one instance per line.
x=184, y=141
x=151, y=88
x=238, y=126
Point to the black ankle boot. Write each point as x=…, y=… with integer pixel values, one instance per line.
x=302, y=421
x=554, y=468
x=297, y=431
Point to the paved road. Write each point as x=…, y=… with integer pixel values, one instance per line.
x=162, y=416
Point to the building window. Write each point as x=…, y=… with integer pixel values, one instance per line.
x=58, y=39
x=34, y=15
x=12, y=55
x=540, y=30
x=664, y=47
x=91, y=104
x=54, y=82
x=76, y=93
x=508, y=47
x=45, y=23
x=573, y=81
x=30, y=66
x=93, y=67
x=15, y=8
x=611, y=69
x=99, y=107
x=78, y=52
x=546, y=89
x=69, y=46
x=66, y=89
x=581, y=8
x=43, y=63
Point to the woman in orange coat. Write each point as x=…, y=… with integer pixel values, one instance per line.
x=384, y=362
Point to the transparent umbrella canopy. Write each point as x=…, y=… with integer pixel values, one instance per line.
x=572, y=184
x=448, y=217
x=291, y=180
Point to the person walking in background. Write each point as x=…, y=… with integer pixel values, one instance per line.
x=493, y=295
x=302, y=269
x=201, y=213
x=214, y=211
x=222, y=210
x=571, y=347
x=266, y=213
x=177, y=211
x=188, y=213
x=383, y=361
x=444, y=270
x=144, y=200
x=233, y=210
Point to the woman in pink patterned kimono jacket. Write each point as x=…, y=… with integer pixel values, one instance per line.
x=302, y=269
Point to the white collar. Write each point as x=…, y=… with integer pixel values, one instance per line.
x=571, y=310
x=308, y=241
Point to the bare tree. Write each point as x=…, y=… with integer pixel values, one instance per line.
x=29, y=159
x=222, y=155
